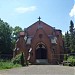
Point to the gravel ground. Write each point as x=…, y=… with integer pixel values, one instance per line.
x=40, y=70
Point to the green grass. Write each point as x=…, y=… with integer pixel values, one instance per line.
x=8, y=65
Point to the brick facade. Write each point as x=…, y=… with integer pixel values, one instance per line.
x=43, y=42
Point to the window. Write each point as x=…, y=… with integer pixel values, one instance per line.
x=53, y=40
x=29, y=41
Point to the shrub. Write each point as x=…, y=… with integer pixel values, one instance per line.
x=22, y=59
x=65, y=57
x=5, y=65
x=19, y=59
x=17, y=65
x=8, y=64
x=72, y=60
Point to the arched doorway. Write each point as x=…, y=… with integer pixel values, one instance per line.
x=41, y=52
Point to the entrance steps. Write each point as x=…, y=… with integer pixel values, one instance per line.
x=42, y=62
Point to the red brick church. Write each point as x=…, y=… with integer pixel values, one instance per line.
x=40, y=43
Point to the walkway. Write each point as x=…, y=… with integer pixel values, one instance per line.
x=40, y=70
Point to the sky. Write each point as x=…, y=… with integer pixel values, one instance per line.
x=23, y=13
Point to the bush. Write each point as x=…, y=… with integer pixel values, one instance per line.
x=17, y=65
x=7, y=64
x=19, y=59
x=22, y=59
x=65, y=57
x=72, y=60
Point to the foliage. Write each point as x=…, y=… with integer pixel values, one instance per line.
x=69, y=39
x=65, y=57
x=19, y=59
x=8, y=65
x=71, y=27
x=67, y=43
x=72, y=37
x=5, y=65
x=72, y=60
x=22, y=59
x=15, y=35
x=5, y=37
x=8, y=36
x=16, y=31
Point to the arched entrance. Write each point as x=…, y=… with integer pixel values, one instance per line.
x=41, y=52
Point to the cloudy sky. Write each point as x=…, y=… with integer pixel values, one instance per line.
x=23, y=13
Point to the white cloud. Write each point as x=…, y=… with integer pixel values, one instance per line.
x=25, y=9
x=72, y=12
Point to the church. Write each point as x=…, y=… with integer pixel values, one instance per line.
x=40, y=43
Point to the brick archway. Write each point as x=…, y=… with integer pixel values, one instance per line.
x=41, y=52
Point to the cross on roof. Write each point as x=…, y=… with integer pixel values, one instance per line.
x=39, y=18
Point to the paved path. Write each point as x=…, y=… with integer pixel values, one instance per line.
x=40, y=70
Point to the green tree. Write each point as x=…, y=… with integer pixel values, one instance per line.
x=67, y=42
x=71, y=27
x=5, y=37
x=72, y=37
x=69, y=38
x=15, y=34
x=16, y=31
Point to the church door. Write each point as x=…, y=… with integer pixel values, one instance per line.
x=41, y=52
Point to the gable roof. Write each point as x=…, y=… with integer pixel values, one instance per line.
x=40, y=23
x=47, y=28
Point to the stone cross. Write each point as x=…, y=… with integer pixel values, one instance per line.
x=39, y=18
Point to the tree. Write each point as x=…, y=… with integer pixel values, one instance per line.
x=15, y=33
x=69, y=38
x=72, y=37
x=5, y=37
x=67, y=42
x=71, y=27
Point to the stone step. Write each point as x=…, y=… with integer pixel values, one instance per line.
x=42, y=61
